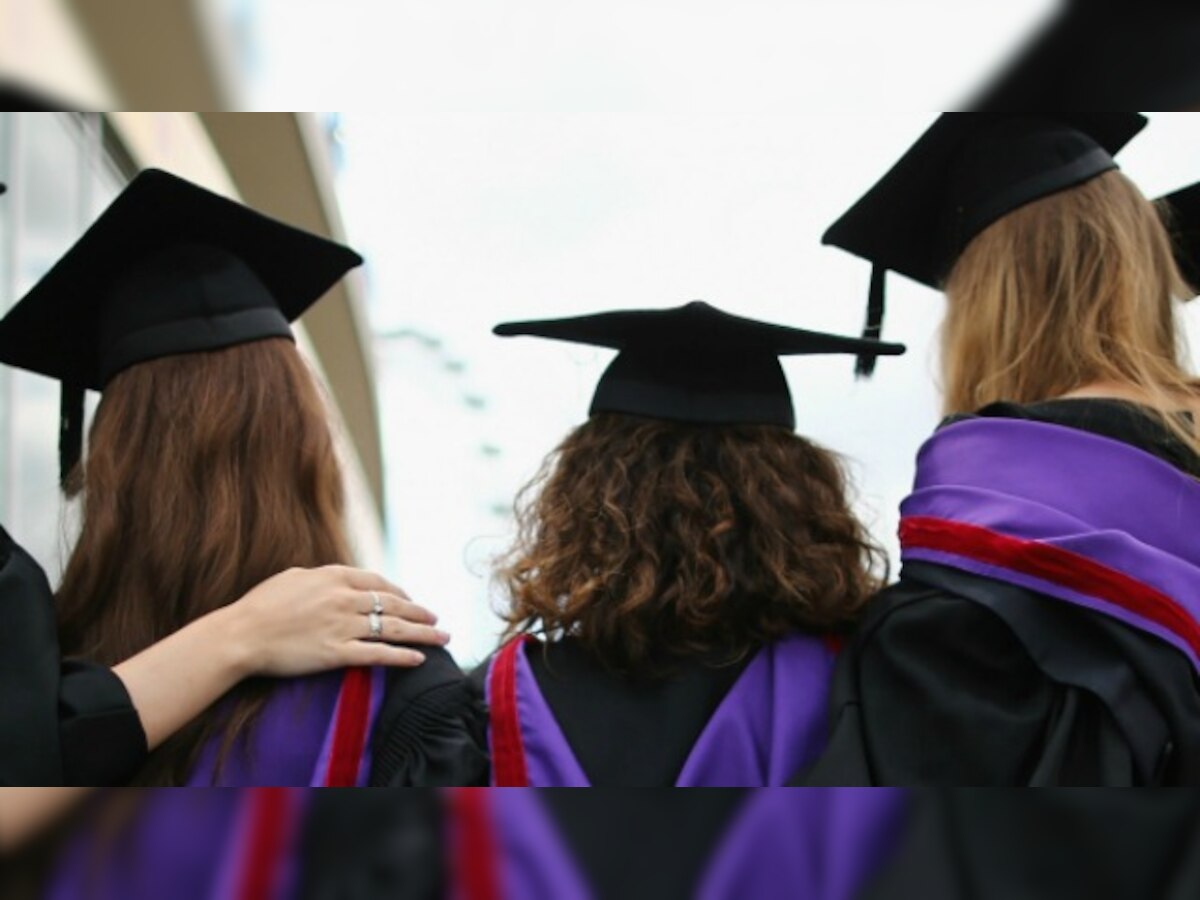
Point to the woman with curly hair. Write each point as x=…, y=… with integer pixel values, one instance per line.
x=685, y=567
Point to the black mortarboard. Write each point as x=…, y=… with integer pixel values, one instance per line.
x=1107, y=54
x=965, y=172
x=1183, y=222
x=695, y=363
x=168, y=268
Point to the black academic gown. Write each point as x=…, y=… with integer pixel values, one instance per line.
x=432, y=729
x=625, y=845
x=958, y=679
x=60, y=722
x=1079, y=844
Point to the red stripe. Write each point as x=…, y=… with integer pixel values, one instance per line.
x=266, y=843
x=834, y=643
x=1053, y=564
x=508, y=749
x=350, y=729
x=477, y=859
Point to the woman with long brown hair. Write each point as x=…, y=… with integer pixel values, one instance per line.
x=685, y=566
x=210, y=466
x=1045, y=628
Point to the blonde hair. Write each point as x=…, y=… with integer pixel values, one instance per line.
x=1075, y=288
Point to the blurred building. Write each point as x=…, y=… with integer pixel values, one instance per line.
x=63, y=168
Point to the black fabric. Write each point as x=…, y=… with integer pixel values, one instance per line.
x=864, y=365
x=167, y=268
x=1181, y=212
x=1046, y=845
x=60, y=723
x=965, y=171
x=1108, y=54
x=166, y=251
x=642, y=844
x=695, y=363
x=957, y=679
x=103, y=742
x=628, y=732
x=432, y=728
x=70, y=431
x=362, y=845
x=29, y=672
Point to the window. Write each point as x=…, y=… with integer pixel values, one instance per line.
x=62, y=169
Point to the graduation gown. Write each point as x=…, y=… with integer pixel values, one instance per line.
x=1044, y=630
x=822, y=844
x=313, y=732
x=1078, y=844
x=70, y=722
x=549, y=715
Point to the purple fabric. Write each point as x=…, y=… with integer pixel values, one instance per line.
x=1092, y=496
x=771, y=723
x=535, y=863
x=289, y=742
x=766, y=729
x=181, y=844
x=184, y=844
x=174, y=847
x=815, y=843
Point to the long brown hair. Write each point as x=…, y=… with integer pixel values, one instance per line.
x=651, y=542
x=1075, y=288
x=206, y=474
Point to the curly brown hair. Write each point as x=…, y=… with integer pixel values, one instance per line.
x=653, y=542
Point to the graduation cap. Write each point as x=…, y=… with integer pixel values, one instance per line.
x=1182, y=215
x=168, y=268
x=1107, y=54
x=695, y=363
x=965, y=172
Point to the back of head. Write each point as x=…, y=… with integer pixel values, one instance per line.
x=206, y=474
x=653, y=541
x=1073, y=289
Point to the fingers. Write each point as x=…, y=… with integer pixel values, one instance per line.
x=399, y=606
x=373, y=653
x=362, y=580
x=401, y=631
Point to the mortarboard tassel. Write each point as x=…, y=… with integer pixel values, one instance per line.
x=864, y=366
x=70, y=431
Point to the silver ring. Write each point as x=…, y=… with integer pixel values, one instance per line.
x=376, y=603
x=375, y=623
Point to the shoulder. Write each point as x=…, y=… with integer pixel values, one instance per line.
x=915, y=625
x=432, y=727
x=1116, y=419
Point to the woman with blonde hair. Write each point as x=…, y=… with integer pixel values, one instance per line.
x=1045, y=628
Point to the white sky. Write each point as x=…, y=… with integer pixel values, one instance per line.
x=534, y=159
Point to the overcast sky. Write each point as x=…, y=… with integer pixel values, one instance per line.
x=542, y=159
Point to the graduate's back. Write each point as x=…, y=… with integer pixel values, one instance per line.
x=684, y=566
x=1044, y=629
x=689, y=582
x=206, y=473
